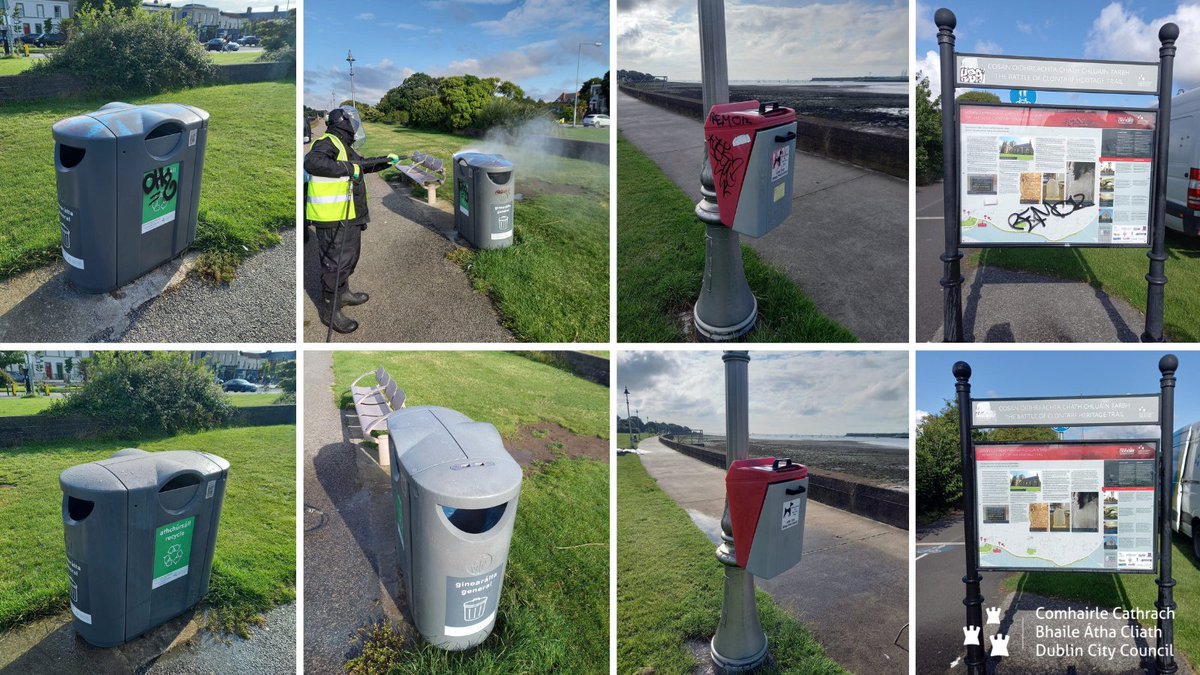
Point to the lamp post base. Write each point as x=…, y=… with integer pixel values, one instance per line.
x=726, y=333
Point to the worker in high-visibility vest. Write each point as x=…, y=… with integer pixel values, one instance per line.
x=336, y=205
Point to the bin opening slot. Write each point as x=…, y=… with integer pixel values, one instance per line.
x=475, y=521
x=180, y=481
x=168, y=129
x=70, y=156
x=78, y=509
x=500, y=177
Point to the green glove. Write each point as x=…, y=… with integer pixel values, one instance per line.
x=357, y=173
x=393, y=158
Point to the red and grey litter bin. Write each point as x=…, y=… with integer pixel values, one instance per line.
x=767, y=500
x=752, y=153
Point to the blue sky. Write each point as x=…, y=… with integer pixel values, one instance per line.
x=533, y=43
x=819, y=392
x=1125, y=31
x=768, y=39
x=1002, y=374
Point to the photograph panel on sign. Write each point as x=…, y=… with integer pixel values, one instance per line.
x=1071, y=507
x=762, y=184
x=1049, y=168
x=739, y=467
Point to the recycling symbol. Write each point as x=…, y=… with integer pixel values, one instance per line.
x=173, y=556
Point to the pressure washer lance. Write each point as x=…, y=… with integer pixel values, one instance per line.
x=337, y=277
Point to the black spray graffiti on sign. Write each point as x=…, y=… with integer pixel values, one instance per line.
x=727, y=169
x=1034, y=217
x=161, y=184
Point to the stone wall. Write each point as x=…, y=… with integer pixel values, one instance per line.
x=27, y=429
x=879, y=152
x=831, y=488
x=35, y=87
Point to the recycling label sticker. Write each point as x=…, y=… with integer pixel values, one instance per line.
x=160, y=192
x=80, y=601
x=471, y=601
x=172, y=551
x=791, y=513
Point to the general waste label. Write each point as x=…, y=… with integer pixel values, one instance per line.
x=80, y=599
x=172, y=551
x=471, y=602
x=160, y=192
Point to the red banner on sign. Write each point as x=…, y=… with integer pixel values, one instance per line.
x=1054, y=452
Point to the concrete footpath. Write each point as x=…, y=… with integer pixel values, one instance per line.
x=165, y=305
x=417, y=294
x=1050, y=644
x=846, y=242
x=1002, y=305
x=850, y=589
x=351, y=567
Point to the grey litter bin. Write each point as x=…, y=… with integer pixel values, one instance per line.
x=455, y=489
x=483, y=199
x=140, y=529
x=128, y=189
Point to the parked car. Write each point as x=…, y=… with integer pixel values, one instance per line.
x=1183, y=165
x=51, y=40
x=30, y=39
x=1185, y=492
x=597, y=120
x=239, y=385
x=231, y=46
x=250, y=40
x=214, y=45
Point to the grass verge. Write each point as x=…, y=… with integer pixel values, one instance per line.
x=660, y=607
x=251, y=400
x=1130, y=591
x=248, y=191
x=18, y=407
x=551, y=285
x=623, y=440
x=254, y=567
x=228, y=58
x=660, y=264
x=12, y=65
x=506, y=390
x=1120, y=272
x=553, y=615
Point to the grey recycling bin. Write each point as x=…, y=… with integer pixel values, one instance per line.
x=455, y=490
x=128, y=189
x=483, y=199
x=140, y=529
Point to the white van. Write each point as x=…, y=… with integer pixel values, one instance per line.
x=1183, y=164
x=1185, y=502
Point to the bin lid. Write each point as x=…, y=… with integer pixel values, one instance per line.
x=133, y=469
x=747, y=116
x=481, y=160
x=765, y=470
x=118, y=120
x=453, y=456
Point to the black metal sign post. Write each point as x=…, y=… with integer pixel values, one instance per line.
x=1165, y=658
x=1070, y=75
x=1165, y=604
x=1156, y=278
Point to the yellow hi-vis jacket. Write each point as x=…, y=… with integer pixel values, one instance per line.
x=330, y=200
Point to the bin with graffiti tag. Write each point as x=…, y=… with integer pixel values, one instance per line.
x=752, y=154
x=139, y=528
x=483, y=199
x=128, y=189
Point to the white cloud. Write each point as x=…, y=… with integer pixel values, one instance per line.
x=1024, y=27
x=918, y=417
x=931, y=66
x=534, y=16
x=987, y=47
x=1124, y=35
x=365, y=16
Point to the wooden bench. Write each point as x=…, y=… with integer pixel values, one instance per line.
x=426, y=171
x=373, y=404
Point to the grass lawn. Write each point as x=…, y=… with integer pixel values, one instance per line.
x=507, y=390
x=1130, y=591
x=248, y=191
x=14, y=65
x=16, y=407
x=585, y=133
x=251, y=400
x=660, y=607
x=660, y=264
x=623, y=440
x=553, y=615
x=226, y=58
x=254, y=567
x=1121, y=272
x=551, y=285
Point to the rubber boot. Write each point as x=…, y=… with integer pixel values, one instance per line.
x=350, y=298
x=341, y=322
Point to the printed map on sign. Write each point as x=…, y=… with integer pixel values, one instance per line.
x=1066, y=506
x=1055, y=176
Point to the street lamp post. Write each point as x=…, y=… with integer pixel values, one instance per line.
x=739, y=644
x=578, y=58
x=726, y=309
x=350, y=60
x=628, y=419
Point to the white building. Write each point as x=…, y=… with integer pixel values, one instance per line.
x=50, y=367
x=33, y=17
